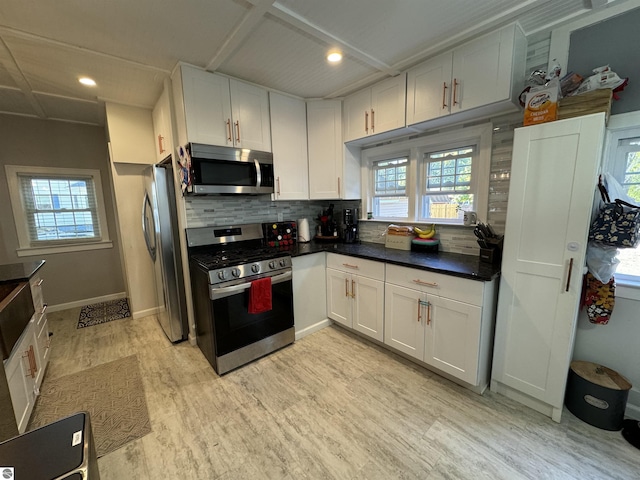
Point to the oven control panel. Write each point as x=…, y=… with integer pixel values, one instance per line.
x=280, y=234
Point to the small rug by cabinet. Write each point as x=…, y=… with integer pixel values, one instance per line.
x=103, y=312
x=112, y=393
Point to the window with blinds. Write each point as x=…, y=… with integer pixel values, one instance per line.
x=447, y=184
x=390, y=198
x=59, y=209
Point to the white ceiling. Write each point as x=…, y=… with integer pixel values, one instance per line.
x=130, y=47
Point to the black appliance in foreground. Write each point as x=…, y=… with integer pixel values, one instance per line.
x=224, y=262
x=62, y=450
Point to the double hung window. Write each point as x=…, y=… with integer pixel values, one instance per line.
x=57, y=209
x=430, y=179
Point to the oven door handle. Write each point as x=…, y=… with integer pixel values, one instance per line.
x=221, y=292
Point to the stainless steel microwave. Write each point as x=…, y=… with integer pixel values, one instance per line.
x=228, y=170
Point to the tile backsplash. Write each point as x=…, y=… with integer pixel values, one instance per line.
x=237, y=210
x=229, y=210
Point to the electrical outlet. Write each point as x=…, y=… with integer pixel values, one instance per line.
x=280, y=217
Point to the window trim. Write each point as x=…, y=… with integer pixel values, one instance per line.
x=479, y=135
x=621, y=126
x=25, y=248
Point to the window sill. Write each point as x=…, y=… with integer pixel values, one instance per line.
x=33, y=251
x=629, y=289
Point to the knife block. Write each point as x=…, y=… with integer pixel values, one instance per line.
x=490, y=255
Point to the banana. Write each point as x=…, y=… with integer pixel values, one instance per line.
x=426, y=233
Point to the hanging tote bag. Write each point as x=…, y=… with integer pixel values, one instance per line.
x=617, y=223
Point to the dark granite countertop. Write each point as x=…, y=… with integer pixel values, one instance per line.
x=465, y=266
x=17, y=272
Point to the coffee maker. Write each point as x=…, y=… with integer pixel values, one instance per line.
x=350, y=225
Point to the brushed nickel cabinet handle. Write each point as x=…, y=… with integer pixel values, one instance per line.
x=353, y=288
x=278, y=181
x=346, y=287
x=444, y=95
x=373, y=116
x=366, y=122
x=348, y=265
x=419, y=310
x=427, y=284
x=229, y=130
x=238, y=131
x=455, y=91
x=40, y=282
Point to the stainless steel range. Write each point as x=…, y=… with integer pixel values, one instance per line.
x=226, y=264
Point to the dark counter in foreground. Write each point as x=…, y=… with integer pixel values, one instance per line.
x=465, y=266
x=18, y=272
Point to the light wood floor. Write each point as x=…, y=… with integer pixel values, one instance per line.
x=331, y=406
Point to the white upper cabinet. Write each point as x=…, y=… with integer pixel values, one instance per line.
x=216, y=110
x=377, y=109
x=162, y=126
x=482, y=77
x=289, y=141
x=328, y=165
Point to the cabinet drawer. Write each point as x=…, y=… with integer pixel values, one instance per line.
x=359, y=266
x=448, y=286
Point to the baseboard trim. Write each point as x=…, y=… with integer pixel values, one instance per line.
x=313, y=328
x=86, y=301
x=145, y=313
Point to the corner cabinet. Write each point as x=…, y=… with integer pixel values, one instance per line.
x=544, y=257
x=218, y=110
x=289, y=141
x=334, y=173
x=441, y=320
x=484, y=76
x=355, y=294
x=377, y=109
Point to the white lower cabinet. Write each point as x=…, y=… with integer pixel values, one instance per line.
x=444, y=332
x=356, y=300
x=22, y=369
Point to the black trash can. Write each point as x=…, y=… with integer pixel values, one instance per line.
x=597, y=395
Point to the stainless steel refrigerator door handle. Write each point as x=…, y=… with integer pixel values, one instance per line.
x=216, y=293
x=151, y=249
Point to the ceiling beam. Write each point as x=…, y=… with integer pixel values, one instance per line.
x=288, y=16
x=243, y=29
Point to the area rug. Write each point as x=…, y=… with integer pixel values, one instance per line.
x=112, y=393
x=103, y=312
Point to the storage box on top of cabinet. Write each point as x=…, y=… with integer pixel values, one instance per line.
x=591, y=102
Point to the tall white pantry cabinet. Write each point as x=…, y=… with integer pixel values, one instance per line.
x=553, y=180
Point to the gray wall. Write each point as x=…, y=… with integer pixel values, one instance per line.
x=69, y=277
x=613, y=42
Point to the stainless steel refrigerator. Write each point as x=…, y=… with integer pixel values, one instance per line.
x=161, y=234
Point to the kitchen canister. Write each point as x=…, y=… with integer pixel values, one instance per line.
x=597, y=395
x=303, y=230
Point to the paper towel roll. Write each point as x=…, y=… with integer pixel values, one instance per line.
x=303, y=230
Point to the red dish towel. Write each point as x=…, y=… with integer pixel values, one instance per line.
x=260, y=295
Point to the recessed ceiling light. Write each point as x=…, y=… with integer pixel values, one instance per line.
x=334, y=56
x=89, y=82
